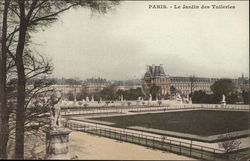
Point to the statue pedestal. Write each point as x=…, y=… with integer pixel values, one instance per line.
x=57, y=144
x=223, y=104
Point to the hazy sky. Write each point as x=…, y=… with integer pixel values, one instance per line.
x=119, y=45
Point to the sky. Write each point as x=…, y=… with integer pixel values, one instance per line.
x=119, y=44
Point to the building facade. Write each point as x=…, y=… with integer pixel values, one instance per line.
x=187, y=85
x=155, y=76
x=95, y=85
x=184, y=84
x=241, y=83
x=65, y=89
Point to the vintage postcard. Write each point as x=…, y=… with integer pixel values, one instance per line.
x=124, y=80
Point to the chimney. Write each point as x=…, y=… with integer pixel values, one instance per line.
x=147, y=68
x=153, y=67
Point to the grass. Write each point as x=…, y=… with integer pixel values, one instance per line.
x=202, y=122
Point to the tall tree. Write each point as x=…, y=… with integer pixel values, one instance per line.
x=36, y=101
x=155, y=91
x=30, y=14
x=246, y=96
x=131, y=94
x=4, y=132
x=108, y=93
x=223, y=86
x=201, y=97
x=173, y=90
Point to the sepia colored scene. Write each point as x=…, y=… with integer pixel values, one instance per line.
x=124, y=80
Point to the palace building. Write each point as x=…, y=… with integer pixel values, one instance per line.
x=187, y=85
x=155, y=76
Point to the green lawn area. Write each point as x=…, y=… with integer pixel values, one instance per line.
x=202, y=122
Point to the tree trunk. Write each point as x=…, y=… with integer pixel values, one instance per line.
x=20, y=111
x=4, y=129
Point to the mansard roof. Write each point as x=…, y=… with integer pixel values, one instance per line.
x=154, y=71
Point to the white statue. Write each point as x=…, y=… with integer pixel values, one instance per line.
x=87, y=99
x=223, y=98
x=92, y=99
x=122, y=98
x=55, y=111
x=190, y=100
x=83, y=101
x=150, y=97
x=74, y=99
x=223, y=102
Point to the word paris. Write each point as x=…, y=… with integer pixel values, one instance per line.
x=191, y=7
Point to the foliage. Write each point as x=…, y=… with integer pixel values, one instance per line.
x=80, y=96
x=229, y=142
x=155, y=91
x=131, y=94
x=107, y=103
x=159, y=102
x=173, y=90
x=201, y=97
x=24, y=17
x=192, y=80
x=222, y=86
x=246, y=96
x=71, y=81
x=233, y=98
x=108, y=93
x=70, y=96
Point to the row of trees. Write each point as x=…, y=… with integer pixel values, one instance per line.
x=220, y=87
x=109, y=93
x=18, y=64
